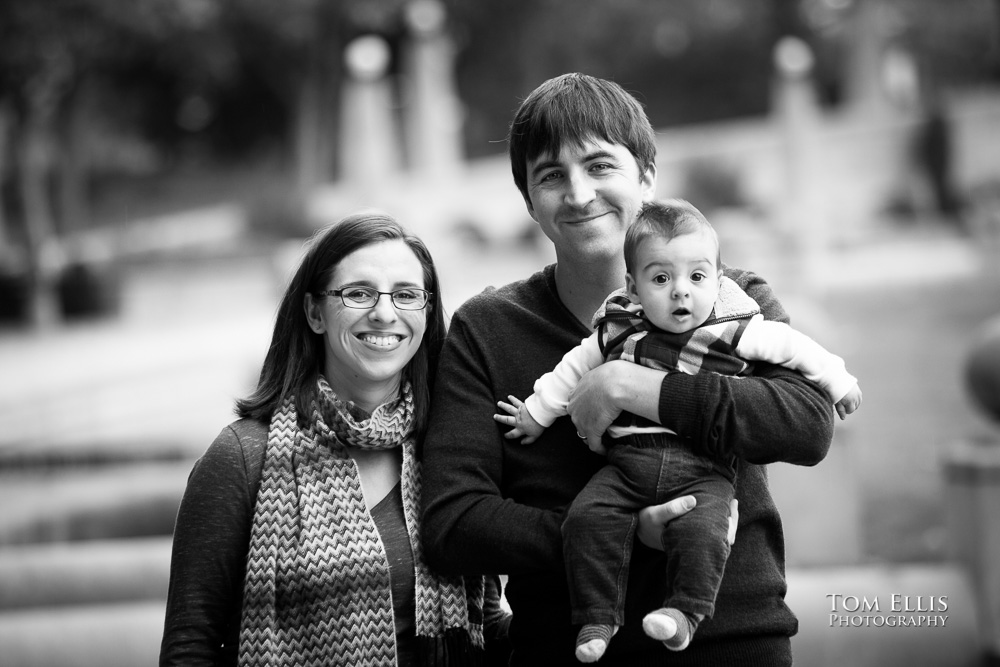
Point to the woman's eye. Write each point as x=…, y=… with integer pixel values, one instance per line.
x=405, y=296
x=357, y=294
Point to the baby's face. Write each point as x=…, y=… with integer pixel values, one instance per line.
x=676, y=281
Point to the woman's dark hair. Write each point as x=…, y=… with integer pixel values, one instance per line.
x=296, y=355
x=573, y=108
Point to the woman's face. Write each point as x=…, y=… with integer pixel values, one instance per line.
x=367, y=348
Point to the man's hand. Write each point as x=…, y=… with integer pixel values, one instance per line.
x=592, y=403
x=604, y=392
x=652, y=520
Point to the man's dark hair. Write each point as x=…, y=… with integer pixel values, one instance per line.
x=571, y=109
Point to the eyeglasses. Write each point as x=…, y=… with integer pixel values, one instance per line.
x=356, y=296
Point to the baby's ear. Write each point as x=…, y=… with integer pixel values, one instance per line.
x=633, y=295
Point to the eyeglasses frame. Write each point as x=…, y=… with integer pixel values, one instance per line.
x=392, y=296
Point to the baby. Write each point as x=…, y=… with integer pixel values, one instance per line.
x=677, y=313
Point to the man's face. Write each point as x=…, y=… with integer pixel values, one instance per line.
x=585, y=198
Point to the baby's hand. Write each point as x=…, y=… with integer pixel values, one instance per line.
x=522, y=421
x=850, y=402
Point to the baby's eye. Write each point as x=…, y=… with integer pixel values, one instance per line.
x=697, y=277
x=661, y=279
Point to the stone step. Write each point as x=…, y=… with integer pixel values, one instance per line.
x=62, y=455
x=105, y=502
x=128, y=634
x=109, y=635
x=79, y=573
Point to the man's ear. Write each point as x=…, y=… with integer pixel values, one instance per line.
x=531, y=209
x=312, y=308
x=633, y=295
x=648, y=182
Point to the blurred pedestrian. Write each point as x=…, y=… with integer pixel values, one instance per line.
x=934, y=145
x=297, y=541
x=583, y=155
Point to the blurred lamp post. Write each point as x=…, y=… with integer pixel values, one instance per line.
x=369, y=153
x=433, y=108
x=798, y=115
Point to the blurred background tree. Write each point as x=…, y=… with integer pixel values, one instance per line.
x=112, y=110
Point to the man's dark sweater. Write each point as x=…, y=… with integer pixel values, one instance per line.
x=493, y=505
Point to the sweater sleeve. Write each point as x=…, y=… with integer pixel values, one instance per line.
x=208, y=560
x=778, y=343
x=469, y=527
x=552, y=390
x=774, y=415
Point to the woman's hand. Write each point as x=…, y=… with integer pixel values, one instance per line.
x=652, y=520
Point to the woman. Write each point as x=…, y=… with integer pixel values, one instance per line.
x=297, y=540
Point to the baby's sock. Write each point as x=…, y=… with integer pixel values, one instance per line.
x=593, y=640
x=671, y=626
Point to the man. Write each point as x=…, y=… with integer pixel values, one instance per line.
x=583, y=156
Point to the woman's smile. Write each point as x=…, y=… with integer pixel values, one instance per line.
x=381, y=340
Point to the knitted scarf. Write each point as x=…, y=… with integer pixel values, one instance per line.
x=317, y=588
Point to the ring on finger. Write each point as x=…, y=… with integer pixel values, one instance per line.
x=581, y=435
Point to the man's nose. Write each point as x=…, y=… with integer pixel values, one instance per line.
x=579, y=190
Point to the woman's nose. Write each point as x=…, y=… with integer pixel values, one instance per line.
x=383, y=310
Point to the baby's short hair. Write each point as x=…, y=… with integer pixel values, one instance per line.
x=666, y=219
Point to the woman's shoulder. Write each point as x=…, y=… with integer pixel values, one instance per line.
x=243, y=440
x=245, y=434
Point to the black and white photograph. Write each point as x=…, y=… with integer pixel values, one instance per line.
x=524, y=333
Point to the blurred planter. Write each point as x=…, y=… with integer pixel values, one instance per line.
x=279, y=215
x=14, y=296
x=89, y=290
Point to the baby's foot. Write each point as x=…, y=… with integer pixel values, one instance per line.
x=670, y=626
x=593, y=640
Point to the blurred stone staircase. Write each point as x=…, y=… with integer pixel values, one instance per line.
x=85, y=554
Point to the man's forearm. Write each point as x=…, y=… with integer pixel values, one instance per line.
x=776, y=415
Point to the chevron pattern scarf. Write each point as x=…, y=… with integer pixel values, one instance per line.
x=317, y=588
